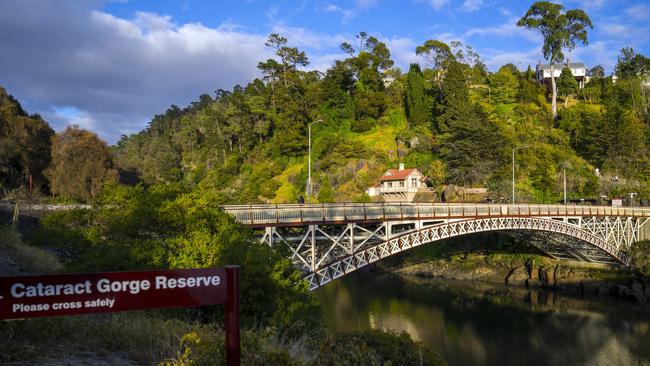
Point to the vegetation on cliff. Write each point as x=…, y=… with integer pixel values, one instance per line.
x=449, y=117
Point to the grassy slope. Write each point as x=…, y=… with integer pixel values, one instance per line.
x=378, y=141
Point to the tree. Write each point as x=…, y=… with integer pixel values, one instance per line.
x=24, y=145
x=596, y=72
x=560, y=30
x=438, y=55
x=510, y=67
x=415, y=102
x=503, y=87
x=567, y=85
x=631, y=64
x=474, y=150
x=369, y=99
x=634, y=70
x=81, y=164
x=326, y=194
x=455, y=105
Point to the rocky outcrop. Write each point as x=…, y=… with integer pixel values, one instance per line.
x=588, y=279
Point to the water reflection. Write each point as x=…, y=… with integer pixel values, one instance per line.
x=480, y=324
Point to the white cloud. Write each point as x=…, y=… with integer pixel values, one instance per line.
x=153, y=22
x=305, y=38
x=616, y=30
x=402, y=51
x=348, y=14
x=505, y=12
x=472, y=5
x=625, y=34
x=437, y=4
x=447, y=37
x=324, y=62
x=638, y=12
x=72, y=116
x=495, y=58
x=589, y=4
x=507, y=29
x=597, y=53
x=117, y=73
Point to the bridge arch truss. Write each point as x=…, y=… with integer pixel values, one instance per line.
x=327, y=252
x=327, y=241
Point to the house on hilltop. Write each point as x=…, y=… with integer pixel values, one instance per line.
x=578, y=69
x=399, y=185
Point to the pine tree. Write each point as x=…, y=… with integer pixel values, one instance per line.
x=503, y=87
x=455, y=107
x=415, y=103
x=474, y=149
x=567, y=85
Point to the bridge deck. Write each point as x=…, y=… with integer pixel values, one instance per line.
x=296, y=214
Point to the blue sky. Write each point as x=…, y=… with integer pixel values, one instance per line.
x=109, y=66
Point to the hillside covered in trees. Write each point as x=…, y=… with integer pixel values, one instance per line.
x=448, y=116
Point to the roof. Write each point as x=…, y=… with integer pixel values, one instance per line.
x=396, y=174
x=572, y=65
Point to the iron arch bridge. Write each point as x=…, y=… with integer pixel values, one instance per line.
x=331, y=240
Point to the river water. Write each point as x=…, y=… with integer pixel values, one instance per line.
x=474, y=323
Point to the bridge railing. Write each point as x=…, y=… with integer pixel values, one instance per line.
x=339, y=212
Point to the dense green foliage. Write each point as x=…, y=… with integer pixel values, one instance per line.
x=566, y=84
x=415, y=101
x=24, y=146
x=451, y=119
x=164, y=227
x=81, y=165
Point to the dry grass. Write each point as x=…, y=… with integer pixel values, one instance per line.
x=127, y=338
x=31, y=259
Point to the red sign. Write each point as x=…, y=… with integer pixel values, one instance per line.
x=73, y=294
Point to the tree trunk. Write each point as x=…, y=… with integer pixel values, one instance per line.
x=284, y=66
x=554, y=94
x=566, y=101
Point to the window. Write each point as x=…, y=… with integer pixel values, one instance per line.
x=401, y=183
x=414, y=182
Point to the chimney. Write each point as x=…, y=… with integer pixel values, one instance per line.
x=401, y=166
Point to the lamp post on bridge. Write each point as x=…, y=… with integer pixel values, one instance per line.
x=513, y=170
x=308, y=193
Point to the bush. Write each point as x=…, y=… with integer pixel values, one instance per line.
x=375, y=347
x=161, y=227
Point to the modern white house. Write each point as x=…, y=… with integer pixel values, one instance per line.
x=578, y=69
x=399, y=185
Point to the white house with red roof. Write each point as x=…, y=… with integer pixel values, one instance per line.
x=398, y=185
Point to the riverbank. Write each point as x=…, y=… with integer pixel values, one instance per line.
x=572, y=277
x=512, y=263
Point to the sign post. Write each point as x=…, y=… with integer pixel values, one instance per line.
x=232, y=316
x=74, y=294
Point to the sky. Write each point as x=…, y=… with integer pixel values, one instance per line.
x=110, y=65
